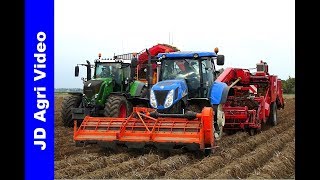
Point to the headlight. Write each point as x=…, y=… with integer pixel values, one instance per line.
x=169, y=99
x=153, y=100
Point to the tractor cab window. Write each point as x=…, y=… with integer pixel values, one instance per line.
x=110, y=70
x=187, y=69
x=107, y=70
x=207, y=74
x=126, y=71
x=179, y=69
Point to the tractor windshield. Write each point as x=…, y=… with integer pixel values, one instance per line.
x=108, y=70
x=180, y=69
x=187, y=69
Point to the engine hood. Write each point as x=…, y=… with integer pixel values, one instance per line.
x=170, y=84
x=162, y=88
x=91, y=87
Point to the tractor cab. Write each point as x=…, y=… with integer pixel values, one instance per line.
x=184, y=76
x=110, y=75
x=198, y=73
x=116, y=71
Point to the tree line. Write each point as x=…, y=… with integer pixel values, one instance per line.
x=288, y=85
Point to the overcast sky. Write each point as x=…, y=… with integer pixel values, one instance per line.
x=245, y=31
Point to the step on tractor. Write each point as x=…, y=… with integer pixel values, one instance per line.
x=253, y=98
x=186, y=109
x=117, y=85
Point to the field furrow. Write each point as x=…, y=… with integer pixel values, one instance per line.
x=266, y=155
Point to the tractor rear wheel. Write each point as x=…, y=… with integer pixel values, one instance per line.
x=273, y=114
x=117, y=106
x=68, y=103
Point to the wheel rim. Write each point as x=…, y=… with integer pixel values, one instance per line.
x=123, y=111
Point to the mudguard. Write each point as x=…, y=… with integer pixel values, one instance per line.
x=218, y=93
x=136, y=87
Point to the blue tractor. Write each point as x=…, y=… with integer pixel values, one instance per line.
x=187, y=84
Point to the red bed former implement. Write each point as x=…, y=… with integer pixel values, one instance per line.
x=140, y=129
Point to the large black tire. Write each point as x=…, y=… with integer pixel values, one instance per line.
x=117, y=106
x=272, y=120
x=66, y=114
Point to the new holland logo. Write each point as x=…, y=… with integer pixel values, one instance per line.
x=161, y=87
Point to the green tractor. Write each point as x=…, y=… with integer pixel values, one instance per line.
x=111, y=92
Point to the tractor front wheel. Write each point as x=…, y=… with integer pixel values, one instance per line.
x=66, y=114
x=117, y=106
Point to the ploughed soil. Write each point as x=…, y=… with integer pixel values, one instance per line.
x=269, y=154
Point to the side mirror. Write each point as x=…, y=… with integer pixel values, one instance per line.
x=76, y=71
x=220, y=60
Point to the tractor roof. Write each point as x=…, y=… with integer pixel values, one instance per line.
x=187, y=54
x=113, y=61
